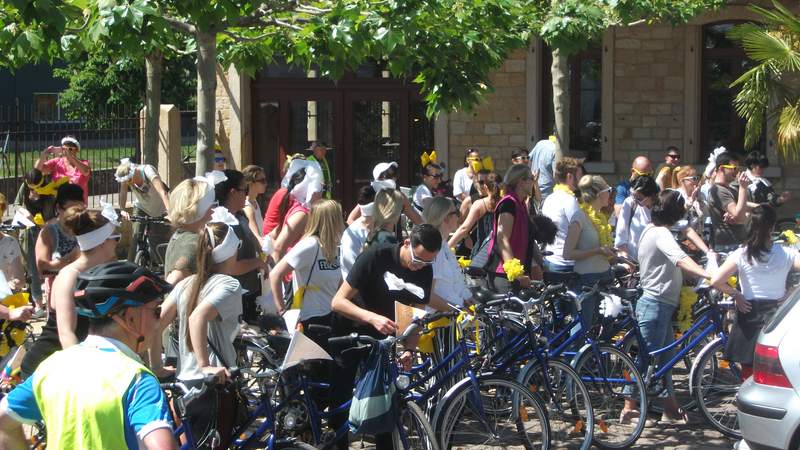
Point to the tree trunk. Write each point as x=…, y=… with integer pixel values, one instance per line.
x=153, y=67
x=560, y=73
x=206, y=99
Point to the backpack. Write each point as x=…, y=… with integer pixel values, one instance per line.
x=372, y=410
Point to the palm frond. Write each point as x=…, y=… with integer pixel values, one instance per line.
x=768, y=45
x=789, y=130
x=779, y=17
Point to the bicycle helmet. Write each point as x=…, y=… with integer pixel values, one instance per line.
x=106, y=289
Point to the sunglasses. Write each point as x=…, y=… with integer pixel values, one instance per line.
x=437, y=175
x=675, y=156
x=115, y=237
x=482, y=182
x=730, y=166
x=524, y=158
x=260, y=180
x=219, y=160
x=693, y=179
x=416, y=260
x=608, y=189
x=640, y=173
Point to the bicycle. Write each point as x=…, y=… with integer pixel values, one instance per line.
x=143, y=257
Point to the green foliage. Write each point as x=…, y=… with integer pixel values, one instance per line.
x=768, y=91
x=121, y=83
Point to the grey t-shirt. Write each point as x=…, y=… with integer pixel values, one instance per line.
x=145, y=197
x=659, y=254
x=719, y=197
x=224, y=293
x=542, y=158
x=181, y=252
x=589, y=239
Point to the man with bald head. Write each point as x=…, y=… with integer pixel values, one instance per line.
x=641, y=166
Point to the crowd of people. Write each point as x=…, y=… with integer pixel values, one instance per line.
x=234, y=256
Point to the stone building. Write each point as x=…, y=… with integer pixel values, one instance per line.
x=638, y=91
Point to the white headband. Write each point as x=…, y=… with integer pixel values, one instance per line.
x=214, y=177
x=712, y=160
x=94, y=238
x=311, y=184
x=380, y=185
x=70, y=140
x=226, y=248
x=207, y=200
x=131, y=170
x=368, y=209
x=222, y=215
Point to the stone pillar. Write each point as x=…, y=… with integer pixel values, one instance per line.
x=169, y=146
x=233, y=128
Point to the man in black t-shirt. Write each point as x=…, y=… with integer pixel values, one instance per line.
x=365, y=303
x=727, y=206
x=367, y=300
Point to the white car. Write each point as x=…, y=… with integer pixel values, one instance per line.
x=769, y=401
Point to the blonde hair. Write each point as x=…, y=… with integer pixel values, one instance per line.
x=679, y=173
x=124, y=169
x=437, y=210
x=388, y=206
x=591, y=186
x=326, y=224
x=183, y=202
x=79, y=220
x=3, y=204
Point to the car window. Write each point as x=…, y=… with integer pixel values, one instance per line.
x=783, y=310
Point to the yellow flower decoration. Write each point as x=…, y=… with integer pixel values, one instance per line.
x=733, y=281
x=563, y=188
x=464, y=262
x=426, y=158
x=790, y=237
x=38, y=219
x=552, y=139
x=600, y=222
x=513, y=269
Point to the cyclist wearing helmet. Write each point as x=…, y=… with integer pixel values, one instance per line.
x=83, y=406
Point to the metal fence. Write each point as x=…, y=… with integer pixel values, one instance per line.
x=25, y=131
x=188, y=141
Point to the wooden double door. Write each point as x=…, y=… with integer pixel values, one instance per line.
x=361, y=124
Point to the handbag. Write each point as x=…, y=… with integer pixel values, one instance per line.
x=296, y=301
x=372, y=410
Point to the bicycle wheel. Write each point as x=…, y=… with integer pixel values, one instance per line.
x=497, y=414
x=142, y=259
x=566, y=400
x=715, y=383
x=414, y=431
x=610, y=376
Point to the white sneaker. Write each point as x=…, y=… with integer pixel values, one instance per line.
x=741, y=444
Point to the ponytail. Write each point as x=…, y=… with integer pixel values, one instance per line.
x=205, y=265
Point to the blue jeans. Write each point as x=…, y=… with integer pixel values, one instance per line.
x=589, y=302
x=655, y=325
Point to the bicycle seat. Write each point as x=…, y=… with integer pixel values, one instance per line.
x=485, y=295
x=560, y=277
x=474, y=272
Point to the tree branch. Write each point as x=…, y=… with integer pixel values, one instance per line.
x=281, y=23
x=308, y=9
x=179, y=25
x=241, y=38
x=82, y=27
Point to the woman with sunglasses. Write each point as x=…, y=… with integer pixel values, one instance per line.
x=256, y=181
x=97, y=239
x=761, y=189
x=63, y=162
x=431, y=177
x=687, y=182
x=480, y=218
x=589, y=241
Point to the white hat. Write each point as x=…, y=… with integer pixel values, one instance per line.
x=382, y=167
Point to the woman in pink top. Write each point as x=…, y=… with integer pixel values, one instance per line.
x=65, y=163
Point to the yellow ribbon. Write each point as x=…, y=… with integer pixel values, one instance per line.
x=428, y=158
x=790, y=237
x=464, y=262
x=552, y=139
x=478, y=165
x=17, y=335
x=51, y=188
x=38, y=219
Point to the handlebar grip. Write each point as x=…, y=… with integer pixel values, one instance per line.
x=319, y=329
x=344, y=341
